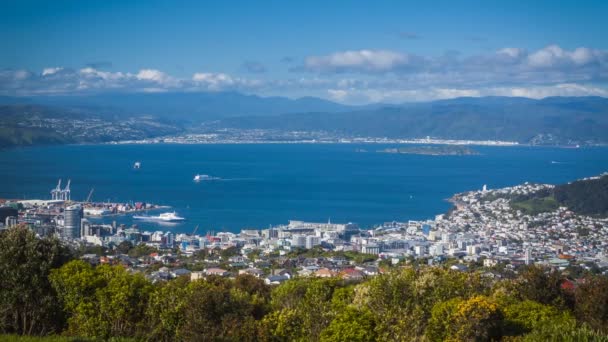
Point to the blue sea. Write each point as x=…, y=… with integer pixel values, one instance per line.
x=269, y=184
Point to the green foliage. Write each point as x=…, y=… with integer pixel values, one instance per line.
x=17, y=338
x=28, y=303
x=591, y=302
x=213, y=309
x=302, y=309
x=141, y=250
x=586, y=197
x=537, y=284
x=86, y=303
x=124, y=247
x=402, y=300
x=350, y=325
x=534, y=206
x=525, y=316
x=565, y=332
x=218, y=311
x=441, y=319
x=102, y=302
x=476, y=319
x=229, y=252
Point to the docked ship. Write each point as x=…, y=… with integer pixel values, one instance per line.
x=198, y=178
x=164, y=217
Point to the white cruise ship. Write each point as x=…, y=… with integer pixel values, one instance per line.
x=164, y=217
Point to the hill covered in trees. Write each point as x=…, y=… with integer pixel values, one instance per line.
x=43, y=292
x=584, y=197
x=587, y=197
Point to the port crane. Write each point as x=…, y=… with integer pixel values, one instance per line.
x=89, y=196
x=65, y=193
x=58, y=194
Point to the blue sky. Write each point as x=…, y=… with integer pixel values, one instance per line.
x=347, y=51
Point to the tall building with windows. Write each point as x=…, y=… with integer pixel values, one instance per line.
x=72, y=220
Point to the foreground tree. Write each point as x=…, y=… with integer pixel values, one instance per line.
x=28, y=303
x=102, y=302
x=592, y=302
x=302, y=309
x=401, y=301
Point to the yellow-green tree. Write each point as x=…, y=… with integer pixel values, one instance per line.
x=350, y=325
x=474, y=319
x=101, y=302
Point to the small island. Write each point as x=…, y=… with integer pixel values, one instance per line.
x=438, y=150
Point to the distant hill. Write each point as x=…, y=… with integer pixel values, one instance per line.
x=36, y=125
x=200, y=106
x=555, y=120
x=550, y=121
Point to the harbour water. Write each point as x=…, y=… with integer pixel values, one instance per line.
x=268, y=184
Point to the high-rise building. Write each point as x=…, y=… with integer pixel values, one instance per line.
x=72, y=217
x=312, y=241
x=6, y=212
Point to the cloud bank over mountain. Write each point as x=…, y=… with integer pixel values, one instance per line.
x=350, y=76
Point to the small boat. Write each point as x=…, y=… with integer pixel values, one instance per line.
x=164, y=217
x=137, y=165
x=198, y=178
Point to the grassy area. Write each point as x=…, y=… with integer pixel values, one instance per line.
x=535, y=206
x=18, y=338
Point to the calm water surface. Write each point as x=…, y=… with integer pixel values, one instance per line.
x=264, y=185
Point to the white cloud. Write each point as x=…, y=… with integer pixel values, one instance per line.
x=555, y=56
x=152, y=75
x=361, y=60
x=212, y=80
x=51, y=71
x=539, y=92
x=220, y=81
x=551, y=64
x=396, y=96
x=359, y=76
x=511, y=52
x=104, y=75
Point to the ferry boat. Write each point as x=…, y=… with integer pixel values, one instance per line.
x=198, y=178
x=164, y=217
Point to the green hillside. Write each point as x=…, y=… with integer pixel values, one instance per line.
x=585, y=197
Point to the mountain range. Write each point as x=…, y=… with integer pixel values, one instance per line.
x=553, y=120
x=193, y=107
